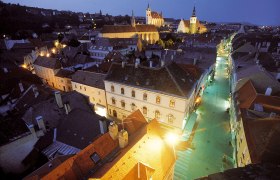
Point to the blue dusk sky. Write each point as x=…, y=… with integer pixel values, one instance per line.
x=260, y=12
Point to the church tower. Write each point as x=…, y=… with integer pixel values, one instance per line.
x=193, y=20
x=148, y=15
x=133, y=22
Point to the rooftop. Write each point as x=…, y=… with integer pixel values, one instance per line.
x=89, y=78
x=47, y=62
x=170, y=79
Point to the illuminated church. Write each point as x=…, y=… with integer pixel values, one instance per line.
x=145, y=32
x=192, y=26
x=154, y=18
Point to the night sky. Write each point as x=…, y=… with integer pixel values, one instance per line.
x=261, y=12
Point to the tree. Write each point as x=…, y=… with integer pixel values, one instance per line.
x=161, y=43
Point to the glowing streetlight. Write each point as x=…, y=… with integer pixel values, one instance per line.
x=42, y=54
x=56, y=43
x=24, y=66
x=172, y=139
x=48, y=54
x=53, y=50
x=64, y=45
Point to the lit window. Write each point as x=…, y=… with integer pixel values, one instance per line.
x=133, y=93
x=122, y=90
x=172, y=103
x=158, y=100
x=112, y=88
x=145, y=96
x=123, y=104
x=170, y=118
x=145, y=110
x=113, y=101
x=157, y=114
x=133, y=106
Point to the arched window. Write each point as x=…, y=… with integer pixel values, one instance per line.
x=170, y=118
x=113, y=101
x=122, y=90
x=133, y=93
x=145, y=110
x=112, y=88
x=172, y=103
x=157, y=114
x=123, y=104
x=133, y=106
x=158, y=100
x=145, y=96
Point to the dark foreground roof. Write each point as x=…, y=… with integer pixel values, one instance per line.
x=89, y=78
x=170, y=79
x=47, y=62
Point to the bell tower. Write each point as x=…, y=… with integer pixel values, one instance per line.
x=193, y=20
x=148, y=14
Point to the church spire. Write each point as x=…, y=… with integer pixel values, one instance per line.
x=193, y=13
x=148, y=8
x=133, y=22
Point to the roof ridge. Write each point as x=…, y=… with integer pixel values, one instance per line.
x=177, y=85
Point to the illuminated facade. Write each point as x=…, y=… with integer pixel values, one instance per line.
x=145, y=32
x=91, y=85
x=169, y=106
x=192, y=26
x=154, y=18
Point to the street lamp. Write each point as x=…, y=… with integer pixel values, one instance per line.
x=172, y=139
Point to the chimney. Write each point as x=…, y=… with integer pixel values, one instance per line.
x=151, y=64
x=41, y=123
x=21, y=87
x=194, y=61
x=32, y=130
x=35, y=91
x=123, y=64
x=268, y=91
x=123, y=138
x=162, y=63
x=67, y=108
x=113, y=130
x=103, y=125
x=58, y=99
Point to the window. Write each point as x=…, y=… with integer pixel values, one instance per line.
x=85, y=88
x=172, y=103
x=123, y=104
x=113, y=101
x=110, y=111
x=157, y=114
x=80, y=87
x=145, y=96
x=133, y=93
x=76, y=86
x=133, y=106
x=112, y=88
x=122, y=90
x=170, y=118
x=95, y=158
x=98, y=92
x=145, y=110
x=158, y=100
x=93, y=99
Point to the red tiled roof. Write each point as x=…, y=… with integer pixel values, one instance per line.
x=156, y=15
